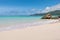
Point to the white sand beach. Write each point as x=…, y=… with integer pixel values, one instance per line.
x=40, y=32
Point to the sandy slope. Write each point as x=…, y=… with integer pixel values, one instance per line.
x=43, y=32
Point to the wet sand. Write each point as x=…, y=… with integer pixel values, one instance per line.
x=39, y=32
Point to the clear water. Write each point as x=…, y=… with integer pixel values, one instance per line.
x=17, y=21
x=11, y=22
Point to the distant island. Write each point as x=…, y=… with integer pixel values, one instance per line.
x=56, y=12
x=49, y=15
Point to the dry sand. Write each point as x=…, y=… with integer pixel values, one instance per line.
x=40, y=32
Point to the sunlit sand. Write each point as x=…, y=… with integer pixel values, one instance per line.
x=40, y=32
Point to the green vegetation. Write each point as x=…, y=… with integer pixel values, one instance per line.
x=49, y=16
x=56, y=12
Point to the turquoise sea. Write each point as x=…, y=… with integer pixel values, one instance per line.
x=13, y=22
x=8, y=21
x=18, y=19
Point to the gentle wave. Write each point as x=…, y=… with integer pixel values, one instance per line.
x=29, y=24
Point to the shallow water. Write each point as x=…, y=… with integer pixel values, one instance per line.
x=10, y=20
x=13, y=22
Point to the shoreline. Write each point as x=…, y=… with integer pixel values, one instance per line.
x=38, y=23
x=40, y=32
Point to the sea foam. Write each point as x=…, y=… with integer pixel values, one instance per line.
x=27, y=24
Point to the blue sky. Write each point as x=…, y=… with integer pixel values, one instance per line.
x=29, y=3
x=25, y=7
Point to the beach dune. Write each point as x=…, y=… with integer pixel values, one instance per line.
x=40, y=32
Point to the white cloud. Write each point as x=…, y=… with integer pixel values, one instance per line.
x=47, y=9
x=19, y=10
x=33, y=9
x=36, y=10
x=10, y=10
x=52, y=8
